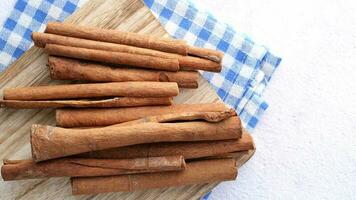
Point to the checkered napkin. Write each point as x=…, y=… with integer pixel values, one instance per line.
x=247, y=67
x=28, y=16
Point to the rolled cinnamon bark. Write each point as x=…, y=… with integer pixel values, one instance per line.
x=41, y=39
x=188, y=85
x=104, y=103
x=105, y=117
x=183, y=116
x=85, y=167
x=189, y=150
x=197, y=172
x=53, y=142
x=194, y=63
x=185, y=62
x=210, y=54
x=71, y=69
x=115, y=36
x=75, y=91
x=137, y=60
x=143, y=61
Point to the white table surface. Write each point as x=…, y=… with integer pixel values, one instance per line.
x=306, y=141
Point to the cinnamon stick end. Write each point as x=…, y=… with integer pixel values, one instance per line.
x=7, y=93
x=35, y=36
x=37, y=131
x=248, y=140
x=4, y=175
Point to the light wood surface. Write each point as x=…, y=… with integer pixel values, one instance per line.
x=31, y=70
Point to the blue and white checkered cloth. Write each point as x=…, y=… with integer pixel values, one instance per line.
x=28, y=16
x=247, y=67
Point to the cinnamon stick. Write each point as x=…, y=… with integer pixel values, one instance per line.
x=143, y=61
x=137, y=60
x=197, y=172
x=194, y=63
x=104, y=103
x=188, y=85
x=105, y=117
x=75, y=91
x=119, y=37
x=210, y=54
x=190, y=150
x=71, y=69
x=53, y=142
x=113, y=36
x=185, y=62
x=85, y=167
x=216, y=116
x=41, y=39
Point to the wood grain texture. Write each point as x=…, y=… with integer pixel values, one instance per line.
x=31, y=70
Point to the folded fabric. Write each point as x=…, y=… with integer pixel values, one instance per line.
x=247, y=67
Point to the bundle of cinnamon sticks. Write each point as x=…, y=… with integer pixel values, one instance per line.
x=183, y=144
x=122, y=132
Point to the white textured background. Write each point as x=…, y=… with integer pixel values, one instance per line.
x=306, y=141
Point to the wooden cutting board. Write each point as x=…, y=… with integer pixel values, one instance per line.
x=31, y=69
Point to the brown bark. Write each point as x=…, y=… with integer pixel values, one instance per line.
x=71, y=69
x=76, y=91
x=185, y=62
x=210, y=54
x=142, y=61
x=184, y=116
x=53, y=142
x=197, y=172
x=194, y=63
x=191, y=85
x=105, y=117
x=236, y=155
x=41, y=39
x=104, y=103
x=85, y=47
x=85, y=167
x=115, y=36
x=189, y=150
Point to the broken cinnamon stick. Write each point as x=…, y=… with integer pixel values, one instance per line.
x=53, y=142
x=104, y=103
x=143, y=61
x=115, y=36
x=189, y=150
x=71, y=69
x=197, y=172
x=105, y=117
x=85, y=167
x=75, y=91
